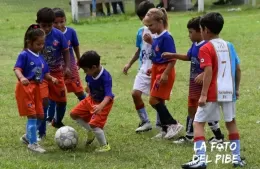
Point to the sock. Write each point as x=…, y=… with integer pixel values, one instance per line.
x=165, y=117
x=60, y=112
x=100, y=135
x=82, y=97
x=158, y=121
x=200, y=147
x=51, y=110
x=41, y=124
x=235, y=146
x=189, y=127
x=84, y=124
x=142, y=113
x=214, y=126
x=31, y=131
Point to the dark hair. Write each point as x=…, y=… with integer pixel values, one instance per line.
x=194, y=23
x=212, y=21
x=59, y=12
x=89, y=59
x=33, y=32
x=143, y=8
x=45, y=15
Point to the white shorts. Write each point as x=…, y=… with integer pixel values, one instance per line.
x=211, y=112
x=142, y=83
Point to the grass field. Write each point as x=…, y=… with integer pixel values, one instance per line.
x=114, y=39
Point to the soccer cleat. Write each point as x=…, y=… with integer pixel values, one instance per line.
x=144, y=127
x=91, y=138
x=103, y=148
x=36, y=148
x=240, y=163
x=173, y=130
x=182, y=140
x=57, y=125
x=24, y=139
x=216, y=140
x=160, y=135
x=194, y=164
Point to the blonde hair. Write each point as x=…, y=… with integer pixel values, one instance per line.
x=159, y=15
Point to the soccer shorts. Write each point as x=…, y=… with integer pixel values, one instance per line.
x=163, y=90
x=211, y=112
x=73, y=83
x=44, y=89
x=28, y=99
x=85, y=108
x=142, y=83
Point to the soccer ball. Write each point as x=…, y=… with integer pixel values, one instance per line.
x=66, y=138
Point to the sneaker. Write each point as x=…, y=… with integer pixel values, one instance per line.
x=194, y=164
x=24, y=139
x=49, y=121
x=160, y=135
x=173, y=130
x=91, y=137
x=36, y=148
x=40, y=138
x=216, y=140
x=183, y=139
x=57, y=125
x=144, y=127
x=103, y=148
x=240, y=163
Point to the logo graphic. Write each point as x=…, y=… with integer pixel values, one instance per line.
x=32, y=63
x=55, y=43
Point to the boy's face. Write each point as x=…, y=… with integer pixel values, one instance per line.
x=194, y=35
x=59, y=23
x=90, y=71
x=204, y=33
x=47, y=27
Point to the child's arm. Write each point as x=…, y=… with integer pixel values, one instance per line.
x=77, y=52
x=66, y=55
x=238, y=78
x=168, y=55
x=48, y=77
x=99, y=107
x=20, y=76
x=199, y=78
x=206, y=83
x=132, y=61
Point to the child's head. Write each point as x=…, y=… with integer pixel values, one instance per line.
x=45, y=18
x=194, y=29
x=34, y=38
x=60, y=19
x=211, y=25
x=143, y=8
x=156, y=20
x=90, y=63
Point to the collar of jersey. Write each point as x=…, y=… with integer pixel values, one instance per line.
x=161, y=34
x=33, y=53
x=65, y=30
x=100, y=73
x=197, y=44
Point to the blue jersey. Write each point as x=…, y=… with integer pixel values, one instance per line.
x=162, y=43
x=100, y=86
x=72, y=39
x=55, y=43
x=139, y=40
x=32, y=65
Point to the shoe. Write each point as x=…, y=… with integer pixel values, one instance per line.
x=41, y=137
x=173, y=130
x=183, y=139
x=240, y=163
x=91, y=138
x=160, y=135
x=57, y=125
x=194, y=164
x=103, y=148
x=24, y=139
x=36, y=148
x=146, y=126
x=49, y=121
x=216, y=140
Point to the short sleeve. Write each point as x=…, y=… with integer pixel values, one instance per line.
x=74, y=38
x=168, y=45
x=108, y=86
x=21, y=61
x=204, y=56
x=139, y=38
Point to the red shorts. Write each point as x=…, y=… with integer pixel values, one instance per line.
x=193, y=102
x=29, y=100
x=162, y=90
x=84, y=110
x=73, y=83
x=44, y=89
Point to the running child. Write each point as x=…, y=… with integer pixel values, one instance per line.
x=92, y=112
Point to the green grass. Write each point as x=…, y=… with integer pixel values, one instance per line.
x=114, y=39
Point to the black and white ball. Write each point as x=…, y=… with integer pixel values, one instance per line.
x=66, y=138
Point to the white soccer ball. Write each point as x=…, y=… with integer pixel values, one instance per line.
x=66, y=138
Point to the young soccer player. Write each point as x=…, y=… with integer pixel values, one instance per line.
x=220, y=87
x=30, y=69
x=92, y=112
x=142, y=80
x=73, y=83
x=163, y=71
x=196, y=77
x=55, y=49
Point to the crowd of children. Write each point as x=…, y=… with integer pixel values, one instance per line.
x=46, y=68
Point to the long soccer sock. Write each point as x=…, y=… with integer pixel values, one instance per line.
x=31, y=131
x=165, y=117
x=84, y=124
x=214, y=126
x=41, y=124
x=60, y=112
x=82, y=97
x=158, y=121
x=51, y=110
x=189, y=127
x=235, y=146
x=200, y=147
x=100, y=135
x=142, y=113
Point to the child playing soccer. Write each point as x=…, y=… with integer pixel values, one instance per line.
x=220, y=87
x=196, y=77
x=92, y=112
x=30, y=69
x=73, y=83
x=142, y=79
x=163, y=72
x=55, y=49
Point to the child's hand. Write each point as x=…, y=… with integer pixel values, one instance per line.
x=163, y=79
x=149, y=72
x=199, y=79
x=54, y=80
x=24, y=81
x=87, y=89
x=67, y=72
x=167, y=55
x=237, y=94
x=126, y=68
x=148, y=38
x=97, y=109
x=202, y=101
